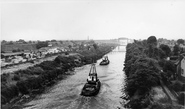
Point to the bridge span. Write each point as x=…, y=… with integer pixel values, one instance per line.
x=122, y=41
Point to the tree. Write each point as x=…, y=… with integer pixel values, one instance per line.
x=88, y=47
x=61, y=42
x=161, y=53
x=41, y=44
x=95, y=46
x=3, y=42
x=91, y=42
x=21, y=41
x=2, y=51
x=81, y=47
x=180, y=41
x=69, y=46
x=53, y=40
x=10, y=43
x=152, y=40
x=166, y=49
x=30, y=42
x=176, y=50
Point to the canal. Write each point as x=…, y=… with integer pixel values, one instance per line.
x=66, y=93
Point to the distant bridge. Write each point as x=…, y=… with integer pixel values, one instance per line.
x=122, y=41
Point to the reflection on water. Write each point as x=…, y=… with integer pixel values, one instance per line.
x=66, y=94
x=120, y=49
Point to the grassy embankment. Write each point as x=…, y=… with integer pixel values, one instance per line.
x=34, y=80
x=143, y=65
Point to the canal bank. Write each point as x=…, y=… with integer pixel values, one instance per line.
x=23, y=84
x=146, y=69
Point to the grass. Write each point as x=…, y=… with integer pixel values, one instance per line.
x=159, y=95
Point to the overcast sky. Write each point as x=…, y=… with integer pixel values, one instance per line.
x=98, y=19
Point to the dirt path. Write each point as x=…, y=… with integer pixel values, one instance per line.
x=168, y=92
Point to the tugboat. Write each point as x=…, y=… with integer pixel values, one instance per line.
x=105, y=61
x=92, y=87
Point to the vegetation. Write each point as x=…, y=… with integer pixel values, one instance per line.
x=166, y=49
x=34, y=80
x=152, y=40
x=181, y=98
x=176, y=50
x=145, y=65
x=41, y=44
x=17, y=50
x=180, y=41
x=142, y=72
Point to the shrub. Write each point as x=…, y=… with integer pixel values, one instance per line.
x=177, y=86
x=181, y=98
x=157, y=105
x=22, y=87
x=33, y=83
x=41, y=44
x=48, y=65
x=4, y=76
x=17, y=50
x=36, y=70
x=9, y=92
x=16, y=77
x=183, y=87
x=66, y=53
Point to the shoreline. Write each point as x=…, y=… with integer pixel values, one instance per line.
x=43, y=76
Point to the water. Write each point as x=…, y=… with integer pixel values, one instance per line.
x=66, y=93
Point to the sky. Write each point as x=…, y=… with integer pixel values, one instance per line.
x=96, y=19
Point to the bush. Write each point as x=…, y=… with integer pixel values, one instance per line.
x=16, y=77
x=156, y=105
x=33, y=83
x=181, y=98
x=4, y=76
x=8, y=93
x=17, y=50
x=177, y=86
x=22, y=87
x=36, y=70
x=183, y=87
x=41, y=44
x=48, y=65
x=66, y=53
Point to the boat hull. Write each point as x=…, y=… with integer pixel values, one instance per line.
x=104, y=63
x=94, y=92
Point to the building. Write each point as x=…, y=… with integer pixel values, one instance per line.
x=181, y=68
